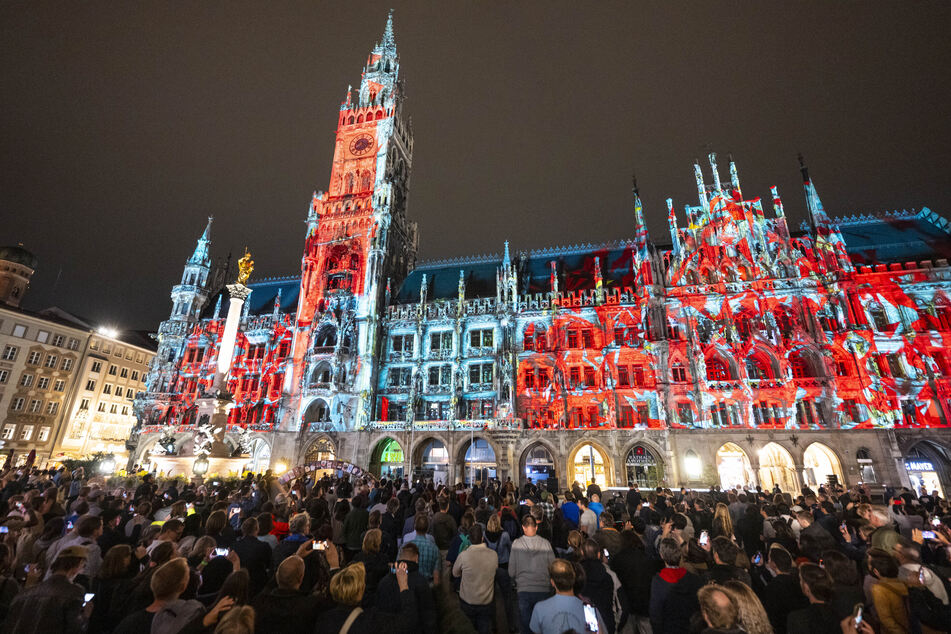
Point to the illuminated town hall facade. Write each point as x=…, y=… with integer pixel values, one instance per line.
x=745, y=351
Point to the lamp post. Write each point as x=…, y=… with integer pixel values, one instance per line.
x=200, y=466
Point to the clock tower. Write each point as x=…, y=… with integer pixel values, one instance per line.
x=358, y=240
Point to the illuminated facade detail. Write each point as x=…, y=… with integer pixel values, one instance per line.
x=645, y=358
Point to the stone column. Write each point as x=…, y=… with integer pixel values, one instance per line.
x=239, y=294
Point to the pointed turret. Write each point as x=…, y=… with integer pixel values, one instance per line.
x=506, y=260
x=674, y=230
x=388, y=39
x=641, y=251
x=712, y=157
x=822, y=225
x=735, y=179
x=201, y=256
x=701, y=188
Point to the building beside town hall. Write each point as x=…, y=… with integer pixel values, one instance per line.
x=738, y=349
x=66, y=387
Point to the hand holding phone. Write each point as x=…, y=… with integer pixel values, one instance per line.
x=89, y=596
x=704, y=538
x=928, y=535
x=221, y=552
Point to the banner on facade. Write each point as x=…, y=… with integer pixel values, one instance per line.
x=340, y=466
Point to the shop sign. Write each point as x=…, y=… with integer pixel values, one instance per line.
x=639, y=456
x=919, y=465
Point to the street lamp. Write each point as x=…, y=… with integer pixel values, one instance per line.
x=200, y=466
x=108, y=465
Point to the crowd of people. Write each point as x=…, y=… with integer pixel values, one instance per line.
x=338, y=555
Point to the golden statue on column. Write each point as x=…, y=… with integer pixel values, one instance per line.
x=245, y=267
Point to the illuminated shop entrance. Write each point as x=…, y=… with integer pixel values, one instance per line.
x=320, y=449
x=643, y=469
x=926, y=467
x=776, y=468
x=820, y=466
x=733, y=465
x=540, y=468
x=588, y=466
x=479, y=464
x=387, y=459
x=434, y=462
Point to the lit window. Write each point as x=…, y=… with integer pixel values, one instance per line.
x=73, y=344
x=43, y=435
x=678, y=374
x=480, y=373
x=8, y=431
x=58, y=341
x=481, y=338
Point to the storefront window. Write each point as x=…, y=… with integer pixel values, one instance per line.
x=643, y=469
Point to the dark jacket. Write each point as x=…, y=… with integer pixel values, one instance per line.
x=781, y=596
x=377, y=567
x=610, y=539
x=54, y=605
x=599, y=589
x=278, y=611
x=817, y=618
x=444, y=529
x=673, y=600
x=255, y=557
x=823, y=539
x=634, y=570
x=721, y=573
x=354, y=525
x=844, y=599
x=388, y=599
x=370, y=621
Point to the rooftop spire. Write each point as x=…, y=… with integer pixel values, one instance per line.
x=201, y=256
x=506, y=260
x=735, y=178
x=712, y=156
x=388, y=39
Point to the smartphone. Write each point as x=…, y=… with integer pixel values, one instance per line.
x=88, y=597
x=646, y=505
x=928, y=535
x=606, y=553
x=704, y=538
x=857, y=615
x=757, y=559
x=233, y=512
x=4, y=529
x=21, y=507
x=132, y=508
x=591, y=618
x=69, y=526
x=320, y=546
x=843, y=527
x=936, y=521
x=221, y=552
x=215, y=483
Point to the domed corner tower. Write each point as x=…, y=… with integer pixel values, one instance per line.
x=17, y=266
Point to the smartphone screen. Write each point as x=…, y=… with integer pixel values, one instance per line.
x=757, y=559
x=591, y=618
x=646, y=505
x=88, y=597
x=605, y=551
x=221, y=552
x=4, y=529
x=928, y=534
x=704, y=538
x=857, y=615
x=936, y=521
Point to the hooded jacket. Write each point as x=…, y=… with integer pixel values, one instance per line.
x=673, y=600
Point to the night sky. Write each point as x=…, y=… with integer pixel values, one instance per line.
x=124, y=125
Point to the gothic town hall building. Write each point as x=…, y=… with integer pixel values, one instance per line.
x=740, y=350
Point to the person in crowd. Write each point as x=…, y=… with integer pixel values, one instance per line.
x=587, y=519
x=846, y=586
x=673, y=594
x=752, y=617
x=57, y=604
x=87, y=530
x=634, y=570
x=888, y=594
x=724, y=568
x=722, y=523
x=430, y=560
x=562, y=612
x=782, y=593
x=819, y=616
x=347, y=615
x=424, y=620
x=254, y=554
x=354, y=525
x=374, y=563
x=285, y=607
x=115, y=576
x=719, y=611
x=599, y=584
x=528, y=567
x=476, y=567
x=171, y=532
x=608, y=535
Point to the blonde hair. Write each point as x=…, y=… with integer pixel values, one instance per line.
x=494, y=524
x=237, y=620
x=371, y=540
x=752, y=616
x=347, y=586
x=722, y=517
x=575, y=540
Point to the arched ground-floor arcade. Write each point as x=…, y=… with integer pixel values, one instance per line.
x=789, y=459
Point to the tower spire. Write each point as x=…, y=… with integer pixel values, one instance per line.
x=821, y=223
x=388, y=39
x=201, y=256
x=735, y=179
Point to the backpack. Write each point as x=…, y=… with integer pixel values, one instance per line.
x=463, y=542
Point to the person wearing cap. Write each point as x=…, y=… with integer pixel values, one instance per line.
x=54, y=605
x=86, y=533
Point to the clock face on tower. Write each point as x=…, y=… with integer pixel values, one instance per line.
x=361, y=145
